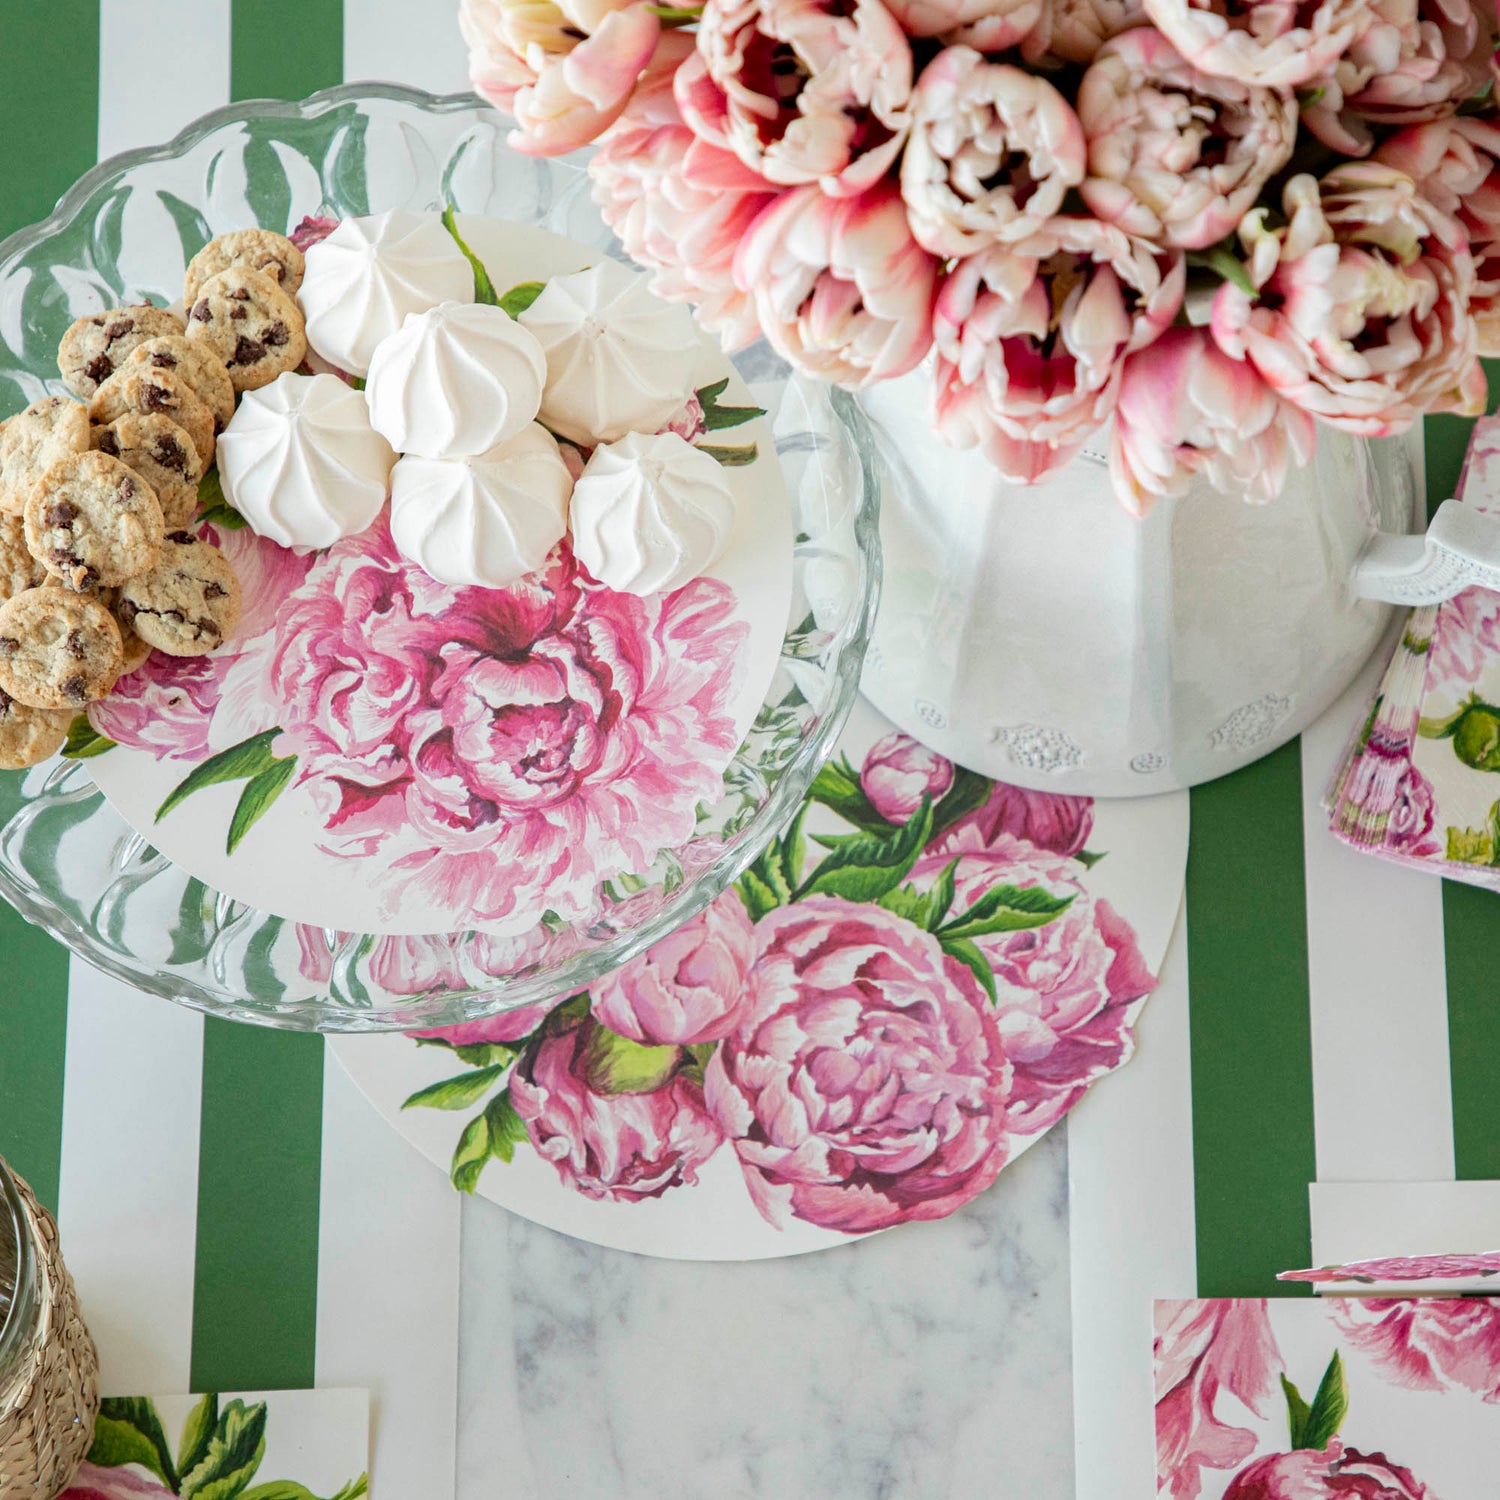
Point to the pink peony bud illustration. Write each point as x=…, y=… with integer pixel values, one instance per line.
x=898, y=772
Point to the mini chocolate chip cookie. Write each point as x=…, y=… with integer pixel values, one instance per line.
x=94, y=522
x=202, y=369
x=57, y=650
x=19, y=570
x=189, y=602
x=260, y=250
x=28, y=736
x=135, y=651
x=163, y=455
x=95, y=347
x=251, y=324
x=33, y=440
x=153, y=392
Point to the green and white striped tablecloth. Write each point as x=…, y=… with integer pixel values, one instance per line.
x=233, y=1189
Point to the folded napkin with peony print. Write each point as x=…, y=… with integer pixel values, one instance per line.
x=1421, y=781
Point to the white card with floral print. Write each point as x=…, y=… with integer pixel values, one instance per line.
x=375, y=752
x=911, y=896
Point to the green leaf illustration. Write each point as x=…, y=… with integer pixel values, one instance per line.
x=770, y=881
x=470, y=1155
x=973, y=960
x=507, y=1128
x=864, y=866
x=1329, y=1407
x=1471, y=846
x=462, y=1092
x=837, y=787
x=255, y=801
x=1007, y=908
x=129, y=1431
x=925, y=909
x=234, y=1454
x=285, y=1489
x=715, y=417
x=84, y=741
x=247, y=759
x=484, y=288
x=967, y=794
x=214, y=506
x=197, y=1434
x=731, y=458
x=519, y=298
x=793, y=848
x=1297, y=1411
x=487, y=1054
x=614, y=1064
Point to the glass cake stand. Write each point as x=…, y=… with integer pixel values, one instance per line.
x=70, y=863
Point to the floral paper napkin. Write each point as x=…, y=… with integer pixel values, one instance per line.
x=1421, y=781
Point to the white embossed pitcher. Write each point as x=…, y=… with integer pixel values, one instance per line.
x=1043, y=636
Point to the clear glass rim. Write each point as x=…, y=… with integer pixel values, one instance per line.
x=16, y=1322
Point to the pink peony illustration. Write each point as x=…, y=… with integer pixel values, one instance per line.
x=1337, y=1473
x=1427, y=1344
x=689, y=987
x=620, y=1147
x=1402, y=1268
x=165, y=706
x=1465, y=641
x=508, y=1026
x=1050, y=821
x=866, y=1082
x=313, y=229
x=507, y=750
x=898, y=772
x=122, y=1483
x=1201, y=1349
x=1067, y=992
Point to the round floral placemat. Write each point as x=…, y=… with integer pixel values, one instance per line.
x=914, y=983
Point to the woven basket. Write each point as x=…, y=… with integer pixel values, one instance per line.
x=49, y=1403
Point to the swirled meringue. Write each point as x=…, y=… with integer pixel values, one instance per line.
x=455, y=381
x=650, y=513
x=300, y=461
x=364, y=279
x=619, y=359
x=489, y=519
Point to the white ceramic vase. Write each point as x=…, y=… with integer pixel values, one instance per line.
x=1043, y=636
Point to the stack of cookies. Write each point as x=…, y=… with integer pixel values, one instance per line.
x=98, y=566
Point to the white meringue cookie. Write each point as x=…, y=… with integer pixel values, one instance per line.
x=455, y=381
x=650, y=513
x=364, y=279
x=300, y=461
x=619, y=359
x=489, y=519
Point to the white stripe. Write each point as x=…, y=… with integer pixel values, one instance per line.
x=162, y=63
x=1378, y=987
x=129, y=1193
x=414, y=42
x=388, y=1267
x=1131, y=1229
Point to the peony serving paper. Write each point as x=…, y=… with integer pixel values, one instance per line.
x=1359, y=1398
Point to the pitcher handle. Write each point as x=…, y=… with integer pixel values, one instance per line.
x=1460, y=550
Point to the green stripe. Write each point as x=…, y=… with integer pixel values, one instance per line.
x=255, y=1296
x=49, y=127
x=1253, y=1150
x=286, y=49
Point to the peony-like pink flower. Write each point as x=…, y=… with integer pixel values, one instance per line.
x=802, y=91
x=1030, y=340
x=1074, y=30
x=992, y=153
x=1401, y=1268
x=989, y=25
x=313, y=229
x=1201, y=1349
x=1067, y=993
x=1337, y=1473
x=617, y=1147
x=866, y=1083
x=898, y=772
x=1362, y=311
x=1465, y=641
x=125, y=1482
x=687, y=988
x=681, y=207
x=1049, y=821
x=841, y=288
x=1186, y=408
x=1176, y=155
x=165, y=706
x=509, y=1026
x=1276, y=44
x=1427, y=1343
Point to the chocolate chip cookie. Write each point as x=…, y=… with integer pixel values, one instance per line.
x=189, y=602
x=94, y=522
x=156, y=392
x=251, y=324
x=95, y=347
x=33, y=440
x=19, y=570
x=57, y=650
x=157, y=449
x=260, y=250
x=135, y=651
x=28, y=736
x=203, y=371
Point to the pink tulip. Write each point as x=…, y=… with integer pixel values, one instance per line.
x=1175, y=155
x=1335, y=1473
x=1030, y=340
x=1186, y=409
x=681, y=207
x=1074, y=30
x=992, y=153
x=1362, y=312
x=898, y=772
x=841, y=288
x=989, y=25
x=1276, y=44
x=802, y=91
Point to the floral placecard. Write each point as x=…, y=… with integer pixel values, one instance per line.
x=1347, y=1398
